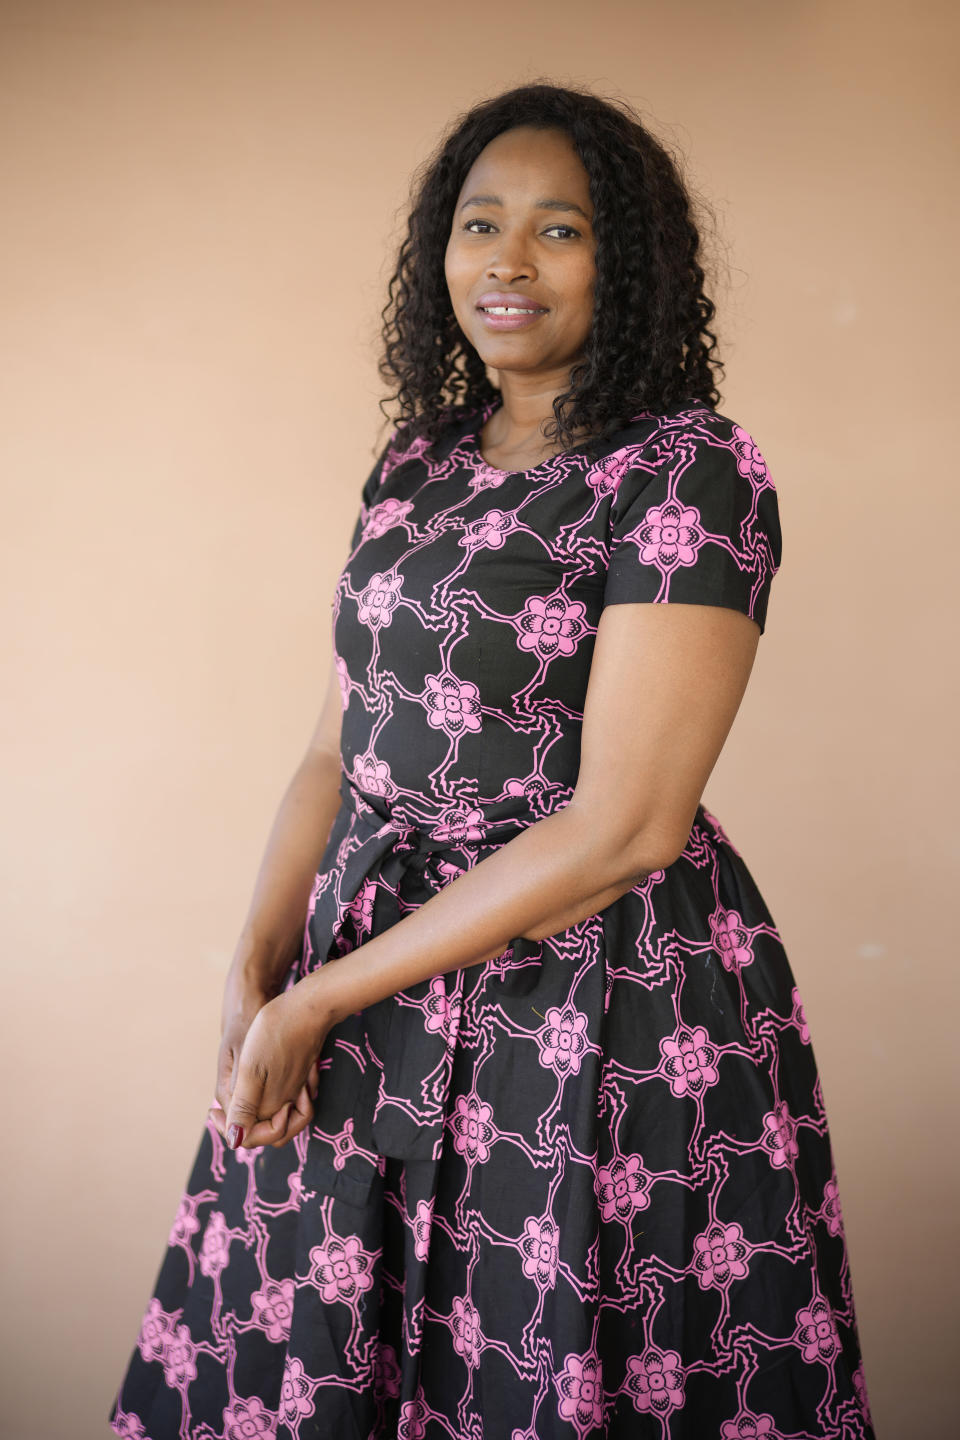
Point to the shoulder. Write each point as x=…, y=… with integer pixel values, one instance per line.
x=694, y=448
x=695, y=428
x=402, y=447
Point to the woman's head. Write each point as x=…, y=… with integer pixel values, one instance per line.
x=521, y=237
x=617, y=279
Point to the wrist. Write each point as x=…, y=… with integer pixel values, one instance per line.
x=320, y=998
x=257, y=970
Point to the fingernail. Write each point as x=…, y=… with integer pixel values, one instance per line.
x=235, y=1136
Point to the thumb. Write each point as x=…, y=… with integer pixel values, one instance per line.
x=244, y=1107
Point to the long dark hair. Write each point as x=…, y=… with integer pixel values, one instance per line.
x=650, y=347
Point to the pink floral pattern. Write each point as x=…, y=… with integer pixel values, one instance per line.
x=373, y=776
x=296, y=1393
x=386, y=1371
x=384, y=516
x=799, y=1016
x=780, y=1137
x=343, y=680
x=413, y=1420
x=622, y=1188
x=452, y=705
x=443, y=1010
x=273, y=1308
x=580, y=1389
x=552, y=626
x=830, y=1210
x=720, y=1255
x=540, y=1248
x=489, y=532
x=341, y=1269
x=689, y=1061
x=155, y=1332
x=605, y=476
x=669, y=535
x=731, y=939
x=422, y=1225
x=465, y=1324
x=343, y=1145
x=816, y=1332
x=473, y=1133
x=215, y=1249
x=749, y=1427
x=179, y=1358
x=562, y=1040
x=361, y=907
x=655, y=1381
x=248, y=1420
x=750, y=462
x=379, y=600
x=185, y=1224
x=129, y=1427
x=460, y=826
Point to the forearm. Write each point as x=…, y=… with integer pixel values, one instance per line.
x=273, y=929
x=552, y=875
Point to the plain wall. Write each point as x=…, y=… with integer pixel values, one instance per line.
x=201, y=207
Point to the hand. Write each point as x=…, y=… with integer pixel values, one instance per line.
x=242, y=1000
x=275, y=1077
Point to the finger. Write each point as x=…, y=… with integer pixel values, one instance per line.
x=219, y=1119
x=225, y=1074
x=298, y=1119
x=266, y=1132
x=244, y=1107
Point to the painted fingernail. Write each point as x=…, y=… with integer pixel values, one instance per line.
x=235, y=1136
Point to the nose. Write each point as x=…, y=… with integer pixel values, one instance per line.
x=511, y=260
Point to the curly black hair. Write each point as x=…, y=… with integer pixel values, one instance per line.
x=649, y=348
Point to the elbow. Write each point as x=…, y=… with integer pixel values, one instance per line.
x=625, y=858
x=642, y=854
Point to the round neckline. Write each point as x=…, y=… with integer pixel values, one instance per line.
x=472, y=438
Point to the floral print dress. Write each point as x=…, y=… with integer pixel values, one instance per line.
x=583, y=1189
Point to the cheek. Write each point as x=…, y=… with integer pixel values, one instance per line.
x=455, y=272
x=586, y=282
x=589, y=281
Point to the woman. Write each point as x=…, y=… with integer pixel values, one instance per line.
x=521, y=1134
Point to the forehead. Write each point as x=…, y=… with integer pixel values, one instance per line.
x=525, y=163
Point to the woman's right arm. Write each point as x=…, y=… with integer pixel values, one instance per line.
x=273, y=930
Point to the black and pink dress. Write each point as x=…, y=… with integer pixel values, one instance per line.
x=583, y=1189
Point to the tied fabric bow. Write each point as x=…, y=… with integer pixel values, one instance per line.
x=376, y=870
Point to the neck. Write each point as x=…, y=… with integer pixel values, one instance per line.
x=525, y=405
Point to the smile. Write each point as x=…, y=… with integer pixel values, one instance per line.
x=508, y=317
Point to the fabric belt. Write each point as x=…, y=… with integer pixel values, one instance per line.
x=377, y=869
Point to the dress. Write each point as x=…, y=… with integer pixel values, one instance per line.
x=585, y=1188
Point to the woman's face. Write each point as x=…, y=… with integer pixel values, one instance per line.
x=522, y=231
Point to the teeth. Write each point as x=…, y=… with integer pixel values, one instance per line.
x=506, y=310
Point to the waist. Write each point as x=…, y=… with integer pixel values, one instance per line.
x=463, y=825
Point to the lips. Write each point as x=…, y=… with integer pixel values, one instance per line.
x=511, y=298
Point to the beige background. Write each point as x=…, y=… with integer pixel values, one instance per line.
x=200, y=211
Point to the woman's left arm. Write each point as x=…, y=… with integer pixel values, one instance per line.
x=666, y=681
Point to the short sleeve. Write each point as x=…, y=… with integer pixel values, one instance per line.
x=385, y=462
x=695, y=520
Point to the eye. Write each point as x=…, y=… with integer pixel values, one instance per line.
x=467, y=226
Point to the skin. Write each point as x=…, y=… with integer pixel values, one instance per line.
x=665, y=685
x=544, y=253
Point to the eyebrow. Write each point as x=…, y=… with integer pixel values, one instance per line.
x=548, y=204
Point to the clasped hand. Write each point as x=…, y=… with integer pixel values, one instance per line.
x=267, y=1073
